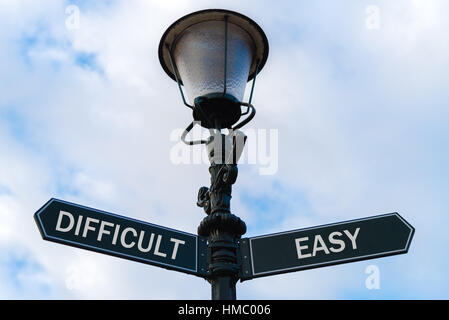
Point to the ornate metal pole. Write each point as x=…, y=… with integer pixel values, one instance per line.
x=223, y=230
x=217, y=105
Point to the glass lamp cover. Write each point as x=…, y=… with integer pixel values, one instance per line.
x=199, y=55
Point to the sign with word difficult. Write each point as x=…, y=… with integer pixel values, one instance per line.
x=108, y=233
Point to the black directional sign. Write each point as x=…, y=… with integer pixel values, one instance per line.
x=104, y=232
x=331, y=244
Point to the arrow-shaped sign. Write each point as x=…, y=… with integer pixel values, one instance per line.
x=104, y=232
x=326, y=245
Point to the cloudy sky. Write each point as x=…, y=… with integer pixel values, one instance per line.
x=355, y=94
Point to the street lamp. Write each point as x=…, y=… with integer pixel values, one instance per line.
x=213, y=54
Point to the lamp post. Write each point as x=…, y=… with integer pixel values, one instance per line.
x=213, y=54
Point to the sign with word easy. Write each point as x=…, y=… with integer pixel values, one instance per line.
x=108, y=233
x=331, y=244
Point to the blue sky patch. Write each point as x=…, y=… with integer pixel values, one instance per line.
x=20, y=268
x=87, y=61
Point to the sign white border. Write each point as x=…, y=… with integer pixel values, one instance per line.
x=310, y=266
x=115, y=253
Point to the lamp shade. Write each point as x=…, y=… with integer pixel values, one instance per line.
x=200, y=54
x=211, y=45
